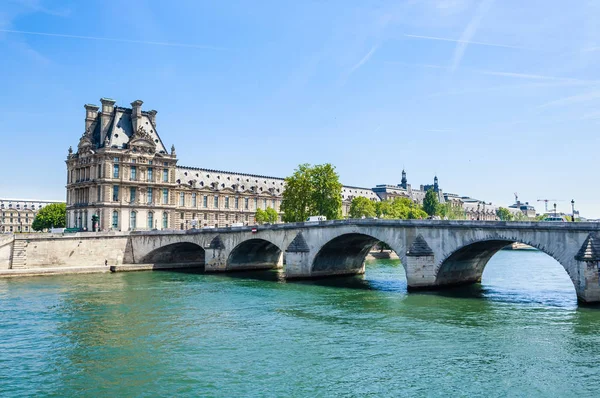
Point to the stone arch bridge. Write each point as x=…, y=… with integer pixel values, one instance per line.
x=434, y=254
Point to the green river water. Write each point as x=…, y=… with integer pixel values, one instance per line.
x=519, y=333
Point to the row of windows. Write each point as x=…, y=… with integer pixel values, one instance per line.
x=133, y=195
x=12, y=220
x=16, y=228
x=10, y=214
x=194, y=199
x=133, y=174
x=133, y=220
x=18, y=206
x=227, y=202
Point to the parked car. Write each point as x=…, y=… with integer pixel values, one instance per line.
x=316, y=218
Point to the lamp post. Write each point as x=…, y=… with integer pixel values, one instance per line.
x=573, y=210
x=554, y=209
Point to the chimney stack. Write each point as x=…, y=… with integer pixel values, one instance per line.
x=136, y=113
x=108, y=106
x=91, y=113
x=152, y=116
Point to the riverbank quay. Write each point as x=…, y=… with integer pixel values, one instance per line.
x=47, y=271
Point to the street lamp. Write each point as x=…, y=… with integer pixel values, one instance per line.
x=573, y=210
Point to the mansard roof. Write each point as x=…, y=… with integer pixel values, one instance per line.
x=121, y=131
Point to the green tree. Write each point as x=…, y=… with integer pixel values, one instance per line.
x=504, y=214
x=327, y=192
x=361, y=206
x=431, y=202
x=260, y=216
x=383, y=209
x=451, y=211
x=399, y=208
x=271, y=215
x=53, y=215
x=312, y=191
x=296, y=201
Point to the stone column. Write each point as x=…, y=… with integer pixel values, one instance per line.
x=216, y=255
x=298, y=259
x=420, y=265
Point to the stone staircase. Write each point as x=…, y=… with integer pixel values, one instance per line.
x=19, y=254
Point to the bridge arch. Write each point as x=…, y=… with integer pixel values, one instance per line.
x=346, y=253
x=255, y=253
x=180, y=252
x=466, y=264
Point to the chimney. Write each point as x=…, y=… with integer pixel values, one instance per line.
x=152, y=116
x=136, y=113
x=108, y=106
x=91, y=113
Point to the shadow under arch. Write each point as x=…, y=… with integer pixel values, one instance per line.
x=183, y=252
x=344, y=255
x=254, y=254
x=466, y=264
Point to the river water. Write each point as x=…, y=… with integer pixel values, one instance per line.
x=519, y=333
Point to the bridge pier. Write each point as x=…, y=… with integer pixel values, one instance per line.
x=588, y=290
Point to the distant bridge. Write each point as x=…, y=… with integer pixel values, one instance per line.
x=434, y=254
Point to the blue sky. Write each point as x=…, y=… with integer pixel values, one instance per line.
x=495, y=97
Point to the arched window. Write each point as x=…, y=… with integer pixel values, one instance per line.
x=165, y=223
x=150, y=220
x=115, y=220
x=132, y=220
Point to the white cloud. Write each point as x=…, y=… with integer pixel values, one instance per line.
x=469, y=32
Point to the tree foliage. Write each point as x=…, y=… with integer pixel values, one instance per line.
x=450, y=211
x=362, y=207
x=504, y=214
x=399, y=208
x=431, y=202
x=266, y=216
x=52, y=215
x=310, y=191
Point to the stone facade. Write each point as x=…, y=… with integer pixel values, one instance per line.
x=18, y=214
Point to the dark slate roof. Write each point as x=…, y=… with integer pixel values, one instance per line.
x=419, y=248
x=217, y=243
x=298, y=245
x=590, y=250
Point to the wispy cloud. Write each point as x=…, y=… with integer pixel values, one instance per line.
x=514, y=75
x=469, y=32
x=573, y=99
x=470, y=42
x=156, y=43
x=363, y=60
x=357, y=65
x=534, y=76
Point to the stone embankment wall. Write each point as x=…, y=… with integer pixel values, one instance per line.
x=74, y=250
x=6, y=247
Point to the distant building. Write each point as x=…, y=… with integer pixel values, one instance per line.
x=405, y=190
x=18, y=214
x=525, y=208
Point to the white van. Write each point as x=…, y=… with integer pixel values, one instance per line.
x=237, y=224
x=316, y=218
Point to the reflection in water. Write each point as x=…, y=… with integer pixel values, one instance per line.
x=252, y=333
